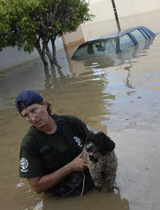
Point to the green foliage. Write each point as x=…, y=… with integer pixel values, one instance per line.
x=25, y=23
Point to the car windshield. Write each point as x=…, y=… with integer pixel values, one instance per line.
x=97, y=48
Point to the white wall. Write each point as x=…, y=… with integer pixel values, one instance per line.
x=103, y=10
x=11, y=57
x=128, y=7
x=130, y=12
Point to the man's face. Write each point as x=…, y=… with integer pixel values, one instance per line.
x=37, y=115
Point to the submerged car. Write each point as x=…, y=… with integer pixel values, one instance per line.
x=125, y=42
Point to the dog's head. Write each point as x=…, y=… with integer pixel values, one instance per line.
x=99, y=142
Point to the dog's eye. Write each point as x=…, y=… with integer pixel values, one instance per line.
x=93, y=159
x=89, y=149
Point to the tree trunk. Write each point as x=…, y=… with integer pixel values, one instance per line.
x=49, y=54
x=54, y=51
x=41, y=53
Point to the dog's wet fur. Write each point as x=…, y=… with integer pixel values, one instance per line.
x=102, y=162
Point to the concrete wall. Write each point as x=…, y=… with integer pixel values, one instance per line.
x=74, y=38
x=103, y=9
x=11, y=57
x=130, y=13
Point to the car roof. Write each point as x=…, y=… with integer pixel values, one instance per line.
x=115, y=35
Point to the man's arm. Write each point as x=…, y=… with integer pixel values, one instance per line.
x=41, y=184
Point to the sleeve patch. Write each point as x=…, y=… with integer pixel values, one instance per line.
x=24, y=165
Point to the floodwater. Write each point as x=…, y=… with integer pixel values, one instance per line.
x=123, y=101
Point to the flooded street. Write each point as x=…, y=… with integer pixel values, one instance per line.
x=121, y=100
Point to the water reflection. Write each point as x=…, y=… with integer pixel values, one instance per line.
x=70, y=94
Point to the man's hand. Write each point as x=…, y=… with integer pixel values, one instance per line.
x=41, y=184
x=78, y=164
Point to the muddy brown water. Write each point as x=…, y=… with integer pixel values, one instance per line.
x=123, y=101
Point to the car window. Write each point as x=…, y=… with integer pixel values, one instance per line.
x=110, y=46
x=126, y=42
x=139, y=37
x=103, y=47
x=81, y=52
x=98, y=48
x=145, y=33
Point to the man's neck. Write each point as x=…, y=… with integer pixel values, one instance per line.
x=50, y=128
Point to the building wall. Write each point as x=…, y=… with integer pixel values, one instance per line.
x=11, y=57
x=74, y=38
x=103, y=10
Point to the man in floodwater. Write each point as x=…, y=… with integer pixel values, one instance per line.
x=50, y=151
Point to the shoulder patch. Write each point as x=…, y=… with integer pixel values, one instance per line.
x=78, y=141
x=89, y=128
x=24, y=165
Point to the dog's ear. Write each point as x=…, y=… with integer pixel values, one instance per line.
x=111, y=145
x=103, y=143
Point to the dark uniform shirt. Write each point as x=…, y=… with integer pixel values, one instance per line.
x=31, y=163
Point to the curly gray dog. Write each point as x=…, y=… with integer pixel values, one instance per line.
x=102, y=162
